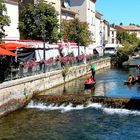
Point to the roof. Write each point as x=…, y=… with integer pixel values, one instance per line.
x=98, y=15
x=12, y=1
x=93, y=1
x=105, y=21
x=129, y=27
x=112, y=29
x=68, y=11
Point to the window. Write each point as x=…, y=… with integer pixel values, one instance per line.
x=113, y=40
x=112, y=33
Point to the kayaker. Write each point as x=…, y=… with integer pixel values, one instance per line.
x=130, y=78
x=89, y=80
x=92, y=68
x=138, y=67
x=138, y=78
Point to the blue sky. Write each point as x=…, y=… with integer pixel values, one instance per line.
x=117, y=11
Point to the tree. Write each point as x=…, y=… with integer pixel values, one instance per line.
x=39, y=21
x=112, y=25
x=122, y=36
x=121, y=23
x=76, y=31
x=4, y=19
x=129, y=41
x=131, y=44
x=134, y=24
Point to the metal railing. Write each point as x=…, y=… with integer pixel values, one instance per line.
x=33, y=68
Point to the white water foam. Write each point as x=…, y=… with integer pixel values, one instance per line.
x=63, y=107
x=112, y=111
x=94, y=105
x=70, y=107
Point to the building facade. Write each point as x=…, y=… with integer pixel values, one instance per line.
x=98, y=29
x=112, y=35
x=86, y=13
x=130, y=29
x=12, y=32
x=68, y=9
x=66, y=12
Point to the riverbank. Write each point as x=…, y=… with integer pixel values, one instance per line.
x=17, y=93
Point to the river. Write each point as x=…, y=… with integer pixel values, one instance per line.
x=92, y=122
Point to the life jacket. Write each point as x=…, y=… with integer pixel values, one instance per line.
x=89, y=80
x=130, y=78
x=86, y=81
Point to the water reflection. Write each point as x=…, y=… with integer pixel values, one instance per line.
x=108, y=83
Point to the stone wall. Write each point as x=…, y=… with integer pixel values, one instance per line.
x=16, y=94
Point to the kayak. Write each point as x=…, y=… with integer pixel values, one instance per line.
x=128, y=83
x=90, y=85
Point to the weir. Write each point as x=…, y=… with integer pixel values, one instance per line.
x=123, y=103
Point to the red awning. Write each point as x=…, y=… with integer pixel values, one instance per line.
x=13, y=46
x=6, y=52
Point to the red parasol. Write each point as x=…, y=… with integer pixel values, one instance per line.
x=6, y=52
x=13, y=46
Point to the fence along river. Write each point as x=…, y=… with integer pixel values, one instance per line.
x=40, y=120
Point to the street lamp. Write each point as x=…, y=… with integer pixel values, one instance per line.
x=78, y=38
x=78, y=44
x=43, y=35
x=101, y=38
x=78, y=31
x=44, y=39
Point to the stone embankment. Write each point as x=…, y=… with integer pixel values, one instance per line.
x=17, y=93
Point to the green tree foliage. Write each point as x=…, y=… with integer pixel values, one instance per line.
x=134, y=24
x=4, y=19
x=122, y=36
x=39, y=21
x=76, y=31
x=129, y=41
x=112, y=25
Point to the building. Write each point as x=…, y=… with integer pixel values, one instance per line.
x=112, y=35
x=66, y=12
x=102, y=33
x=84, y=10
x=12, y=32
x=98, y=29
x=98, y=33
x=105, y=31
x=130, y=29
x=86, y=13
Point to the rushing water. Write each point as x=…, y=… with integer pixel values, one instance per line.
x=40, y=122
